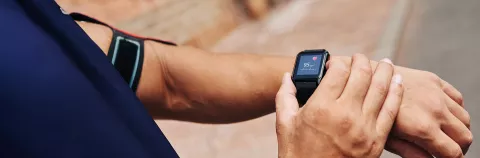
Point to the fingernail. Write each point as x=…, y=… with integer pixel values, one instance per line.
x=397, y=79
x=286, y=77
x=387, y=61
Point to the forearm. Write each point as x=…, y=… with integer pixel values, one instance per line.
x=221, y=88
x=218, y=88
x=190, y=84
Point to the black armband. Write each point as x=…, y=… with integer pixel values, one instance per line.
x=126, y=51
x=126, y=54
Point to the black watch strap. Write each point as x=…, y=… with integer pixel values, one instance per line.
x=308, y=72
x=304, y=91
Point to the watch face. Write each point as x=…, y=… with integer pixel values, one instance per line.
x=309, y=64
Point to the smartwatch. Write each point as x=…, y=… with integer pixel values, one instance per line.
x=308, y=72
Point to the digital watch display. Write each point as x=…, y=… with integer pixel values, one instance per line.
x=308, y=72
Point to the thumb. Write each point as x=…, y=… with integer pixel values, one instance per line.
x=285, y=101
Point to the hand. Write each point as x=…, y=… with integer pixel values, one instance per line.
x=347, y=116
x=431, y=119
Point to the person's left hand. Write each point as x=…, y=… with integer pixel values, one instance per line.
x=432, y=119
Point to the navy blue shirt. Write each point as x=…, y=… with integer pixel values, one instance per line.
x=59, y=94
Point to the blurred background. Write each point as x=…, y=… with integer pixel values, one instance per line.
x=440, y=36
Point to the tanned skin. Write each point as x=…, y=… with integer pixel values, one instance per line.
x=190, y=84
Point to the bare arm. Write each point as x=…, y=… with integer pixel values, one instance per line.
x=185, y=83
x=215, y=88
x=190, y=84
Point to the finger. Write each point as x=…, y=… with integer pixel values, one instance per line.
x=389, y=111
x=285, y=101
x=458, y=111
x=378, y=89
x=334, y=81
x=405, y=149
x=452, y=92
x=440, y=145
x=359, y=80
x=457, y=131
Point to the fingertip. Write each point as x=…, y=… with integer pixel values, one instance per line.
x=398, y=79
x=286, y=78
x=397, y=86
x=396, y=89
x=287, y=84
x=387, y=61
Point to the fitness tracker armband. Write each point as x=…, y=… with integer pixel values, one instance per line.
x=126, y=54
x=308, y=72
x=126, y=51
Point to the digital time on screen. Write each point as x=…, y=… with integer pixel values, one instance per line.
x=309, y=64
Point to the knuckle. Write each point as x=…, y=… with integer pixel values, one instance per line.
x=460, y=99
x=346, y=123
x=432, y=76
x=340, y=68
x=359, y=55
x=438, y=112
x=454, y=153
x=381, y=88
x=363, y=67
x=365, y=70
x=423, y=130
x=436, y=106
x=466, y=140
x=360, y=138
x=392, y=115
x=467, y=120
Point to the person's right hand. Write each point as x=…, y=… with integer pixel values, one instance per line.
x=347, y=116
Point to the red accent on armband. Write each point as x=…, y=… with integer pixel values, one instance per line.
x=83, y=17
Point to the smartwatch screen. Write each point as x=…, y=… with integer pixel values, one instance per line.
x=309, y=64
